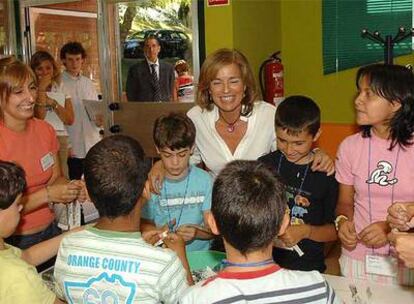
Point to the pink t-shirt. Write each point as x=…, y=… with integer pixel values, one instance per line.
x=388, y=172
x=27, y=149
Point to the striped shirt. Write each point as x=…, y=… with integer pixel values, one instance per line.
x=270, y=285
x=104, y=266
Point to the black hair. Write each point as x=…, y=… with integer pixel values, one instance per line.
x=12, y=183
x=151, y=36
x=298, y=113
x=248, y=205
x=73, y=48
x=395, y=83
x=174, y=131
x=115, y=175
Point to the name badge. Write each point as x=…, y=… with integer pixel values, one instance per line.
x=47, y=161
x=381, y=265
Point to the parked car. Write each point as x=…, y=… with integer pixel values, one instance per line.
x=173, y=43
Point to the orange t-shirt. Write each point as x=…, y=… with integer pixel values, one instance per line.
x=27, y=149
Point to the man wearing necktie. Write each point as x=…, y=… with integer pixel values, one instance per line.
x=151, y=79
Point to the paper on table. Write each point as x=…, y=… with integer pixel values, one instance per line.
x=51, y=116
x=94, y=109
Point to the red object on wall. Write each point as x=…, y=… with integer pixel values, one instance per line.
x=272, y=72
x=217, y=2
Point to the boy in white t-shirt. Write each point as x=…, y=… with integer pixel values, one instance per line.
x=111, y=262
x=248, y=210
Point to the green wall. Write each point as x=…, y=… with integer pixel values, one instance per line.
x=258, y=28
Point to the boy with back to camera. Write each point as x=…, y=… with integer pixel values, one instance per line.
x=248, y=211
x=19, y=280
x=311, y=194
x=185, y=196
x=111, y=262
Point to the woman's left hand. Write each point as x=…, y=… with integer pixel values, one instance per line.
x=375, y=234
x=323, y=162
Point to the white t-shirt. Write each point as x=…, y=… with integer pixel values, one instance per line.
x=270, y=285
x=59, y=94
x=260, y=137
x=102, y=266
x=83, y=133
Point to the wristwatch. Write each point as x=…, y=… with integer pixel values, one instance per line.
x=338, y=219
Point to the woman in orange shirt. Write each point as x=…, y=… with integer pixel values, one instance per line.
x=32, y=144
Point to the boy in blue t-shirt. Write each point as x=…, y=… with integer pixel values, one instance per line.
x=185, y=196
x=311, y=194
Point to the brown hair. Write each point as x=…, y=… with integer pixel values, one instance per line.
x=13, y=73
x=213, y=63
x=41, y=56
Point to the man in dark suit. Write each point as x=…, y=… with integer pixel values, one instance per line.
x=151, y=80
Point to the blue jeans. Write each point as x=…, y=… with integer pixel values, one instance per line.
x=26, y=241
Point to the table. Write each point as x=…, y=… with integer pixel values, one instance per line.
x=381, y=294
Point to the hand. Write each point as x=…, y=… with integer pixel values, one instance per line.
x=375, y=234
x=294, y=234
x=83, y=193
x=188, y=233
x=151, y=237
x=404, y=245
x=322, y=162
x=347, y=234
x=175, y=243
x=64, y=193
x=44, y=83
x=156, y=177
x=398, y=217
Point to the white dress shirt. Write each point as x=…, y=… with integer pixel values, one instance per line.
x=260, y=137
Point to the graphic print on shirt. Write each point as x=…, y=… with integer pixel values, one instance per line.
x=298, y=204
x=380, y=175
x=106, y=287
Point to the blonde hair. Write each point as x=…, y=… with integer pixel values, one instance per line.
x=41, y=56
x=13, y=73
x=211, y=66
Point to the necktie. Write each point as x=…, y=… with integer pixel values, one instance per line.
x=155, y=83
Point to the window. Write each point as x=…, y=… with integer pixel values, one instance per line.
x=343, y=21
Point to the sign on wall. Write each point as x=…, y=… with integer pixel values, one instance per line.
x=218, y=2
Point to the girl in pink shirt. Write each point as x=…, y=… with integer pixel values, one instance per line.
x=374, y=168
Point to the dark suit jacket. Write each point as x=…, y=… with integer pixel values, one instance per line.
x=139, y=82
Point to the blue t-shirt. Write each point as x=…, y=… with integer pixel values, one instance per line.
x=184, y=200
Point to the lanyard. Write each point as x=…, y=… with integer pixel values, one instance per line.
x=170, y=225
x=226, y=263
x=304, y=174
x=369, y=183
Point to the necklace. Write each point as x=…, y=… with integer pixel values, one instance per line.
x=231, y=126
x=170, y=220
x=298, y=196
x=227, y=263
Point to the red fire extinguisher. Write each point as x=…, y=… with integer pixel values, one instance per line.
x=271, y=79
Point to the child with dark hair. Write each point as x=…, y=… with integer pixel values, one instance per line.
x=374, y=169
x=311, y=194
x=248, y=211
x=111, y=261
x=84, y=132
x=19, y=281
x=185, y=196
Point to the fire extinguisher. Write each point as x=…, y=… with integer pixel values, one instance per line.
x=271, y=73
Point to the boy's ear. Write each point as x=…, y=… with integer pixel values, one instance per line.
x=317, y=135
x=285, y=223
x=192, y=149
x=212, y=223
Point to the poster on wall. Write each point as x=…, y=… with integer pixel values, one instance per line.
x=218, y=2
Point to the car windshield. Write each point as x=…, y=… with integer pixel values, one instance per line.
x=138, y=35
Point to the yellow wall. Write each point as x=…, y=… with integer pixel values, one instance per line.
x=259, y=27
